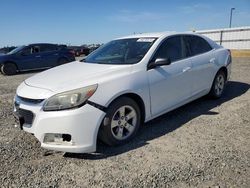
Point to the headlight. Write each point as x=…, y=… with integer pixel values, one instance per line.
x=69, y=99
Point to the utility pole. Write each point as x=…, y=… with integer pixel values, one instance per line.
x=231, y=15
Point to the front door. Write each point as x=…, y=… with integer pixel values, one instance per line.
x=170, y=84
x=29, y=58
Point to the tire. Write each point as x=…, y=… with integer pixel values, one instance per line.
x=218, y=85
x=9, y=69
x=121, y=122
x=62, y=61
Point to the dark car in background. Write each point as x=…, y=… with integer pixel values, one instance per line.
x=79, y=50
x=6, y=50
x=34, y=57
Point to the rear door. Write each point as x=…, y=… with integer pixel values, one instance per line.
x=49, y=55
x=170, y=84
x=201, y=54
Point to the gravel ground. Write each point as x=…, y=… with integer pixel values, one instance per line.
x=203, y=144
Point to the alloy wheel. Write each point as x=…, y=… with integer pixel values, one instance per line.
x=219, y=84
x=123, y=122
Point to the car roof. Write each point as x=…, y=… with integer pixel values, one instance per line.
x=170, y=33
x=159, y=34
x=37, y=44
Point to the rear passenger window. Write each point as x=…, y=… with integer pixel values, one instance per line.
x=171, y=48
x=48, y=48
x=196, y=45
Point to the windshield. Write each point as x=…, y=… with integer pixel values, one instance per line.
x=122, y=51
x=17, y=49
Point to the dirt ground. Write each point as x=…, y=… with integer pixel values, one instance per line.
x=204, y=144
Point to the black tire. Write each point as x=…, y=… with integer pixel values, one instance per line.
x=9, y=69
x=62, y=61
x=107, y=134
x=218, y=86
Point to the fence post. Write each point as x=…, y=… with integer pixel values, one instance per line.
x=221, y=37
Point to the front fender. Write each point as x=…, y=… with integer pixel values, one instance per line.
x=134, y=83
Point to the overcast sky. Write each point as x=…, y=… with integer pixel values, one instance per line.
x=77, y=22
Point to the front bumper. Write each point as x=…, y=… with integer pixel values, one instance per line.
x=82, y=124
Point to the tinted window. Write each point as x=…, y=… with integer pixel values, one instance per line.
x=196, y=45
x=35, y=49
x=17, y=50
x=26, y=51
x=48, y=48
x=171, y=48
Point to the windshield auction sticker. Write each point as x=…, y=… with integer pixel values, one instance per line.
x=145, y=40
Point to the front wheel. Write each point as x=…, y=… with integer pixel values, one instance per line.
x=218, y=85
x=121, y=122
x=9, y=69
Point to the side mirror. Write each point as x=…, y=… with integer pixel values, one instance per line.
x=162, y=61
x=159, y=62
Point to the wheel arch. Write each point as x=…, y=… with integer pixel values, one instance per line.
x=223, y=69
x=12, y=62
x=137, y=98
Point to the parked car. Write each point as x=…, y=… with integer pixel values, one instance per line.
x=82, y=51
x=79, y=50
x=6, y=50
x=121, y=85
x=34, y=56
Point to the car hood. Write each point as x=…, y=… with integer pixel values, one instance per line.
x=75, y=75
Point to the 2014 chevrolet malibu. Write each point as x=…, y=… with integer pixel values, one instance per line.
x=124, y=83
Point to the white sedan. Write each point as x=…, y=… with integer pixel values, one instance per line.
x=118, y=87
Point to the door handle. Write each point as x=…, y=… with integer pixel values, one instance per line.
x=212, y=60
x=186, y=69
x=38, y=56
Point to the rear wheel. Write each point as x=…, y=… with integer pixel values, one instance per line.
x=9, y=69
x=121, y=123
x=218, y=85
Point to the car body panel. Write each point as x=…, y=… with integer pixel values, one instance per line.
x=76, y=75
x=31, y=92
x=169, y=84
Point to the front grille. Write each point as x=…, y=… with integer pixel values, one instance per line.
x=34, y=101
x=25, y=116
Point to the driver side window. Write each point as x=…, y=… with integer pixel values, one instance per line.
x=26, y=51
x=170, y=49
